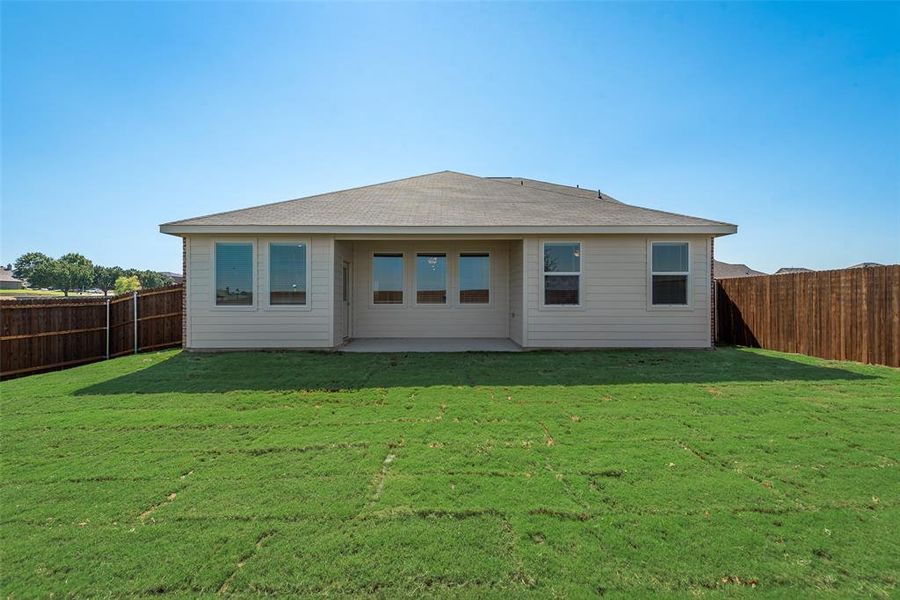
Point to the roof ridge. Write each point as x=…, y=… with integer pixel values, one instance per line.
x=276, y=203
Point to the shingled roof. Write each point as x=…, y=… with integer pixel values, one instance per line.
x=449, y=201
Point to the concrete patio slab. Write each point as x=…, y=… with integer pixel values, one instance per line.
x=431, y=345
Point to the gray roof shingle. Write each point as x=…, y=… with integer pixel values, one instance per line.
x=450, y=199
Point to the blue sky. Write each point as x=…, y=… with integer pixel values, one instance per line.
x=782, y=118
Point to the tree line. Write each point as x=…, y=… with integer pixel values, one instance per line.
x=73, y=271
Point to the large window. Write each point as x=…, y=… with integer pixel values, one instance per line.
x=234, y=274
x=669, y=270
x=287, y=274
x=387, y=278
x=474, y=278
x=562, y=273
x=431, y=278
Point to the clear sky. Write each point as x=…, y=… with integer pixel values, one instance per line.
x=782, y=118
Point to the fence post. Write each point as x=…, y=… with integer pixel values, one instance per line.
x=107, y=329
x=135, y=322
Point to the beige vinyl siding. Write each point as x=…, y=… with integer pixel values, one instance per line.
x=516, y=274
x=343, y=251
x=216, y=327
x=615, y=310
x=411, y=320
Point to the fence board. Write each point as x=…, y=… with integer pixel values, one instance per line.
x=851, y=314
x=45, y=334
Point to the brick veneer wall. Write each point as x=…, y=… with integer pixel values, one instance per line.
x=184, y=292
x=712, y=292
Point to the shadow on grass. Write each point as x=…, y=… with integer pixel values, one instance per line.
x=290, y=371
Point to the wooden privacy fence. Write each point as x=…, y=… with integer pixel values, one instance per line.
x=52, y=333
x=852, y=314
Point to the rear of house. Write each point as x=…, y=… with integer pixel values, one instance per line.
x=449, y=255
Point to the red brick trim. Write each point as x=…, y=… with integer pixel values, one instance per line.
x=712, y=292
x=184, y=283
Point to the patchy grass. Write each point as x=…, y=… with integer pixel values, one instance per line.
x=724, y=473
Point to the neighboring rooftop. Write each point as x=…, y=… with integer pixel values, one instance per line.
x=784, y=270
x=6, y=274
x=864, y=265
x=724, y=270
x=453, y=200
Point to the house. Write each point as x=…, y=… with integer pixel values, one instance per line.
x=7, y=281
x=724, y=270
x=175, y=277
x=450, y=256
x=785, y=270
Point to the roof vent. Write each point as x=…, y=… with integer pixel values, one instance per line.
x=599, y=195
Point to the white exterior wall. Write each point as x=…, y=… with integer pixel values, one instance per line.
x=412, y=320
x=259, y=326
x=615, y=289
x=516, y=297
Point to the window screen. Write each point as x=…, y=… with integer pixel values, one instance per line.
x=287, y=274
x=669, y=273
x=234, y=274
x=562, y=273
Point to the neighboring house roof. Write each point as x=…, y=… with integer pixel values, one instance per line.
x=863, y=265
x=724, y=270
x=7, y=275
x=452, y=202
x=784, y=270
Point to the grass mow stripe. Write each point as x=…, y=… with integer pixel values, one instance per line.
x=243, y=560
x=169, y=499
x=378, y=482
x=406, y=512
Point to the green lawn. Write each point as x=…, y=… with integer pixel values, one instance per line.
x=734, y=472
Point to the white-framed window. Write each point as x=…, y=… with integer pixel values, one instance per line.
x=387, y=277
x=561, y=281
x=233, y=263
x=670, y=272
x=474, y=275
x=431, y=278
x=288, y=273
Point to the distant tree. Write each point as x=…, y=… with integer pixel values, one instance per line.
x=105, y=277
x=149, y=279
x=32, y=267
x=72, y=272
x=125, y=284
